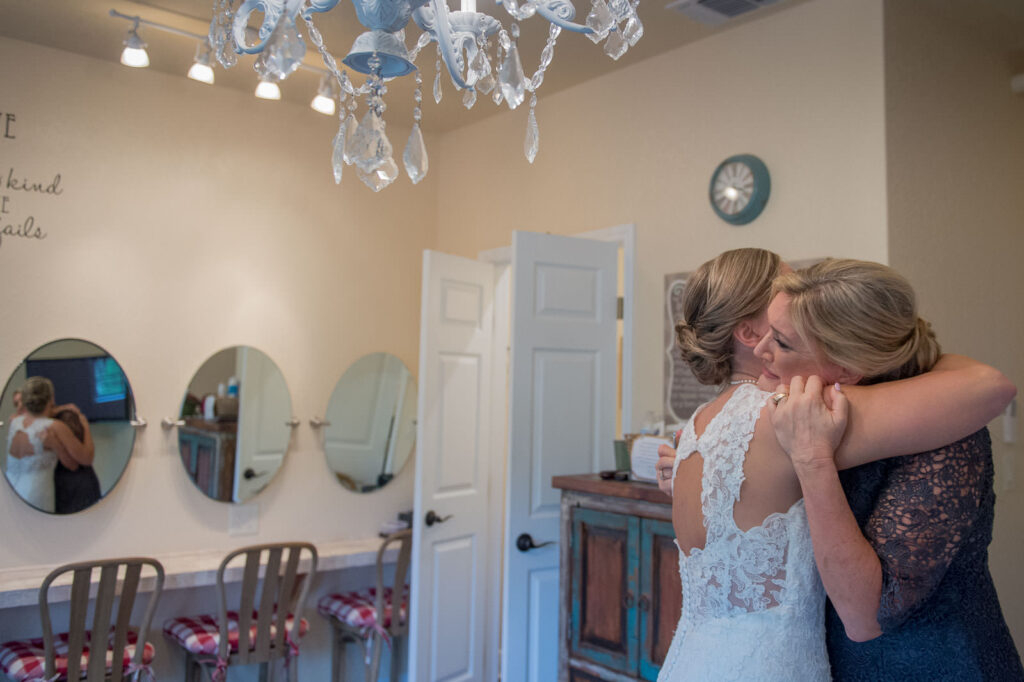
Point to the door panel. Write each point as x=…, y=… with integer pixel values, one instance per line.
x=562, y=394
x=448, y=585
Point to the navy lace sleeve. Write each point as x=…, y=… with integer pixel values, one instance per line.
x=922, y=516
x=929, y=517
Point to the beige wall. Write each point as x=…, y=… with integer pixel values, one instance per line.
x=802, y=89
x=955, y=141
x=194, y=218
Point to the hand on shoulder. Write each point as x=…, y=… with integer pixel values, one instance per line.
x=808, y=428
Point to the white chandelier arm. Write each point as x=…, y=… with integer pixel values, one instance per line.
x=273, y=12
x=455, y=32
x=561, y=13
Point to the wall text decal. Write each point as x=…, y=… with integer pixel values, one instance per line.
x=14, y=184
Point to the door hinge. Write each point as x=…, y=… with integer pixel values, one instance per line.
x=620, y=308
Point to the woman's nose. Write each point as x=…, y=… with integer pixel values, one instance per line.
x=761, y=349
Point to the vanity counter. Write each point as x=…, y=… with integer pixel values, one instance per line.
x=20, y=586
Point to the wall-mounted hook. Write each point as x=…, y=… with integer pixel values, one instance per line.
x=317, y=422
x=138, y=422
x=169, y=423
x=293, y=422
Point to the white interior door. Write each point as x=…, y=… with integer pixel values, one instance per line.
x=563, y=379
x=263, y=434
x=449, y=582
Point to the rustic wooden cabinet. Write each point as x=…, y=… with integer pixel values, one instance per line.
x=620, y=588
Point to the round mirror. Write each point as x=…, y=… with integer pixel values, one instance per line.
x=66, y=415
x=236, y=428
x=371, y=422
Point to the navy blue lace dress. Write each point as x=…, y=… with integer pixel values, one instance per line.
x=929, y=517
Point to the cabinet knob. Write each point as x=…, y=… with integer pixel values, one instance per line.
x=644, y=602
x=628, y=601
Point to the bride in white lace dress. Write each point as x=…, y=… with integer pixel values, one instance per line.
x=753, y=603
x=35, y=443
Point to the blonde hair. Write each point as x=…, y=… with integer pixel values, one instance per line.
x=733, y=287
x=862, y=316
x=36, y=394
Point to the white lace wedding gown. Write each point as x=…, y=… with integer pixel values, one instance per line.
x=32, y=476
x=753, y=604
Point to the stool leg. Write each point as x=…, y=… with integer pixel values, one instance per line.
x=337, y=653
x=373, y=672
x=396, y=658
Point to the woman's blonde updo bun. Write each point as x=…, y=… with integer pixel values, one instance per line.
x=861, y=316
x=723, y=292
x=36, y=394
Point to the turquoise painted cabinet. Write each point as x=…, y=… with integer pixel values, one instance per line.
x=621, y=594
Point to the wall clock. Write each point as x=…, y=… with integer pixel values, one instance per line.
x=739, y=189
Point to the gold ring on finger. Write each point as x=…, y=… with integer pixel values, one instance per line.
x=779, y=397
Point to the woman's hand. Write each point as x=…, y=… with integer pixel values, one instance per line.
x=666, y=460
x=808, y=429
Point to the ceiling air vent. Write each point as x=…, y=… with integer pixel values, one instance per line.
x=716, y=11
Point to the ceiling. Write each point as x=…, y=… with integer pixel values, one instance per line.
x=86, y=27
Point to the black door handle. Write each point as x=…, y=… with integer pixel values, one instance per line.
x=250, y=473
x=433, y=518
x=524, y=543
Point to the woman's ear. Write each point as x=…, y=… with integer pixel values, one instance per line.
x=747, y=333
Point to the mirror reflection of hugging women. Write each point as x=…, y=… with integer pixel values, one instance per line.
x=753, y=602
x=36, y=442
x=76, y=487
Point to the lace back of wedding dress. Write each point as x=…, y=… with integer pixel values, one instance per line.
x=745, y=589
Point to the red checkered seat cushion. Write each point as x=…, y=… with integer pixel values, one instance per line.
x=201, y=634
x=357, y=610
x=26, y=659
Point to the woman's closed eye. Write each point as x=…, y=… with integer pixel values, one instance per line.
x=780, y=343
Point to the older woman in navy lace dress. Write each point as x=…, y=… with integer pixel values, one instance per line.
x=901, y=544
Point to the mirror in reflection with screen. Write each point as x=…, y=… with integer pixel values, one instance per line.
x=236, y=428
x=371, y=422
x=66, y=415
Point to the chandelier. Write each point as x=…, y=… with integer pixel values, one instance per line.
x=463, y=41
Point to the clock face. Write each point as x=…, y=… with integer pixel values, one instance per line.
x=739, y=189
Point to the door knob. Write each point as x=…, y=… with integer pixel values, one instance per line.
x=251, y=473
x=524, y=543
x=433, y=518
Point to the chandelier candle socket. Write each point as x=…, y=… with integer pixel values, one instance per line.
x=463, y=44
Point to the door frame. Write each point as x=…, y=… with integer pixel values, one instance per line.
x=501, y=257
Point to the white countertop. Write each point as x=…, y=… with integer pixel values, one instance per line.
x=20, y=586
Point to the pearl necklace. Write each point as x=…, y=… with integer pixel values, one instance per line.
x=742, y=381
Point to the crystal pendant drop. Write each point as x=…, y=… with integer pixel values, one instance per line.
x=616, y=45
x=285, y=50
x=227, y=56
x=496, y=96
x=620, y=9
x=478, y=68
x=469, y=98
x=532, y=133
x=633, y=31
x=415, y=156
x=437, y=85
x=371, y=148
x=512, y=79
x=380, y=178
x=349, y=127
x=338, y=154
x=600, y=20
